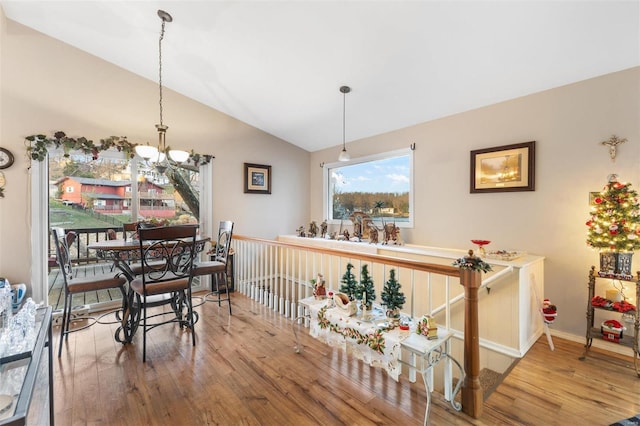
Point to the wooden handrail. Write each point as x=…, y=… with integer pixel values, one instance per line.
x=417, y=265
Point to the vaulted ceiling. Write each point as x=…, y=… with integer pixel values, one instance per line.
x=278, y=65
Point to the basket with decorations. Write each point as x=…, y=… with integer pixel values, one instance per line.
x=612, y=331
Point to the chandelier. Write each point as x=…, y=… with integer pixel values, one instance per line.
x=159, y=155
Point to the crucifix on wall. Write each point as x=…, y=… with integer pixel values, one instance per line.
x=613, y=143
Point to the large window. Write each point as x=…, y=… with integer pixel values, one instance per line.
x=380, y=186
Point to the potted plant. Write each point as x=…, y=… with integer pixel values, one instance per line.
x=392, y=298
x=366, y=289
x=349, y=284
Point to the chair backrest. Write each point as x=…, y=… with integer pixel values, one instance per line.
x=129, y=230
x=167, y=252
x=223, y=244
x=63, y=242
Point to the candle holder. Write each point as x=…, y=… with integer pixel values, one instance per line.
x=481, y=244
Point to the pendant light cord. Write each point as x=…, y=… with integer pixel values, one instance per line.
x=344, y=114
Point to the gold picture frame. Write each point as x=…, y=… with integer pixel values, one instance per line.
x=257, y=179
x=506, y=168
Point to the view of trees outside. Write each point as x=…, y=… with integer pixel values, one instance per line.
x=378, y=188
x=88, y=193
x=375, y=204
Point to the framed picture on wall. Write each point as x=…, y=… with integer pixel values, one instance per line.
x=504, y=168
x=257, y=179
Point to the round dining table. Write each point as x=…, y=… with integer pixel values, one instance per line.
x=122, y=253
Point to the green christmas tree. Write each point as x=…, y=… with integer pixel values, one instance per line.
x=615, y=218
x=391, y=295
x=349, y=284
x=366, y=287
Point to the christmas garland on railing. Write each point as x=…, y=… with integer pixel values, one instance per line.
x=39, y=146
x=374, y=340
x=473, y=263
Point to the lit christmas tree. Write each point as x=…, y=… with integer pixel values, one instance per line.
x=614, y=225
x=366, y=288
x=349, y=284
x=391, y=295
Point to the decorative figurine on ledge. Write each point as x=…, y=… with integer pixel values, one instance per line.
x=373, y=234
x=323, y=229
x=313, y=229
x=361, y=223
x=301, y=232
x=391, y=234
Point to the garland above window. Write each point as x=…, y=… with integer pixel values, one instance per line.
x=39, y=145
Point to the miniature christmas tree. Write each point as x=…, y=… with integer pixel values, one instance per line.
x=349, y=284
x=366, y=290
x=615, y=218
x=391, y=295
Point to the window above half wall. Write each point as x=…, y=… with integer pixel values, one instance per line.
x=380, y=186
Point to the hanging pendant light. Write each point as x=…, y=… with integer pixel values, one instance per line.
x=344, y=155
x=159, y=155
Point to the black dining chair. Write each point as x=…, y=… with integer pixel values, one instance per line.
x=217, y=266
x=74, y=285
x=166, y=261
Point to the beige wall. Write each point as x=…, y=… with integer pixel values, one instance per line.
x=46, y=86
x=568, y=124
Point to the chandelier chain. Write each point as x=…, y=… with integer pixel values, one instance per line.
x=160, y=67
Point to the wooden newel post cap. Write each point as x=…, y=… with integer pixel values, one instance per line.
x=470, y=278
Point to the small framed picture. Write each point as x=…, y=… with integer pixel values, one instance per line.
x=257, y=179
x=503, y=168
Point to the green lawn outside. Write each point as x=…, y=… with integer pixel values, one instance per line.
x=68, y=217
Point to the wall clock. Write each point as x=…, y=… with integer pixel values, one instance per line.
x=6, y=158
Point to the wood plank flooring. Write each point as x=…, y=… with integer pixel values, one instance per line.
x=244, y=371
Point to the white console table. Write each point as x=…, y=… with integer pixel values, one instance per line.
x=371, y=339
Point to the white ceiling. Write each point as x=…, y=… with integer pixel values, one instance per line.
x=278, y=65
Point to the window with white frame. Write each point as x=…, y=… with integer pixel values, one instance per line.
x=380, y=186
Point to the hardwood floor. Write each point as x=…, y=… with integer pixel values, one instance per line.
x=244, y=371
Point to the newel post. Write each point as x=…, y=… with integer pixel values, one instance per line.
x=472, y=398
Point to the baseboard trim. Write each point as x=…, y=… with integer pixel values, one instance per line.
x=595, y=343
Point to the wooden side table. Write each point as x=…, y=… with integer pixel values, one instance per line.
x=424, y=355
